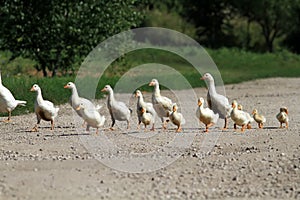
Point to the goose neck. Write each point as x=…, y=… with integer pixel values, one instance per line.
x=211, y=87
x=39, y=97
x=74, y=93
x=111, y=96
x=156, y=90
x=141, y=99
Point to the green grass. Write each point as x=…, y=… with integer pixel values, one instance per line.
x=235, y=66
x=238, y=66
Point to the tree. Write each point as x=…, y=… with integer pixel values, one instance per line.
x=211, y=20
x=275, y=17
x=58, y=34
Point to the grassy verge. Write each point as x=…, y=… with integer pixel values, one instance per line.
x=235, y=66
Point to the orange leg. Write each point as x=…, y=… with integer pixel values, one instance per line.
x=128, y=125
x=207, y=126
x=165, y=124
x=179, y=129
x=8, y=119
x=152, y=129
x=243, y=127
x=35, y=128
x=249, y=126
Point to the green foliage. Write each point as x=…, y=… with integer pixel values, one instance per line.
x=58, y=34
x=16, y=67
x=235, y=66
x=275, y=17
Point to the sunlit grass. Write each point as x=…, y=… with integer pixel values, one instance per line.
x=234, y=65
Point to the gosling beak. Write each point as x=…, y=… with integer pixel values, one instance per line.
x=199, y=103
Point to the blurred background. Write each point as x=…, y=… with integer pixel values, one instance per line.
x=247, y=39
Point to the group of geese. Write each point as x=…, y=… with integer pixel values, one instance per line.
x=161, y=106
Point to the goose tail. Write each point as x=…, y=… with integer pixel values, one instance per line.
x=21, y=103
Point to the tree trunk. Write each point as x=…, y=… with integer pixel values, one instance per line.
x=270, y=46
x=248, y=35
x=44, y=71
x=54, y=72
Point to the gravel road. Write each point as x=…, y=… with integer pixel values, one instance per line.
x=65, y=163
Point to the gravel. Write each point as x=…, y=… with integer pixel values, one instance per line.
x=60, y=164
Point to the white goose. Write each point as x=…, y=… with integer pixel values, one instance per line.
x=76, y=100
x=240, y=117
x=218, y=103
x=148, y=107
x=43, y=109
x=117, y=110
x=162, y=105
x=146, y=117
x=7, y=101
x=176, y=118
x=283, y=117
x=206, y=115
x=92, y=117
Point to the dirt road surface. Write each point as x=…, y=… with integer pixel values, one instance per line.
x=257, y=164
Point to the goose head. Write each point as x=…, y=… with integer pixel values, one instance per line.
x=234, y=104
x=153, y=82
x=240, y=107
x=143, y=110
x=254, y=112
x=138, y=93
x=200, y=101
x=35, y=88
x=106, y=88
x=80, y=107
x=175, y=107
x=207, y=76
x=69, y=85
x=284, y=109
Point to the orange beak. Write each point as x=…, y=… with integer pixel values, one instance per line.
x=199, y=103
x=78, y=108
x=103, y=90
x=202, y=78
x=32, y=89
x=66, y=86
x=151, y=83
